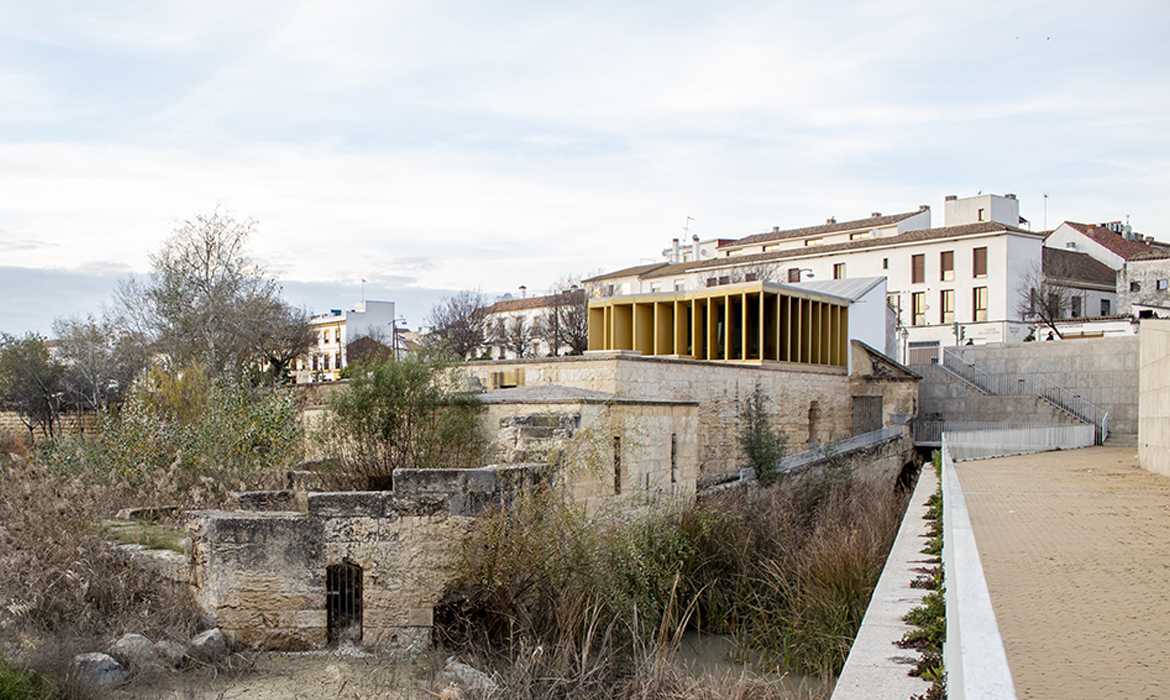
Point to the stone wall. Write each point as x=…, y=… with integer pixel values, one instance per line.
x=604, y=447
x=262, y=574
x=70, y=423
x=1104, y=371
x=805, y=402
x=1154, y=397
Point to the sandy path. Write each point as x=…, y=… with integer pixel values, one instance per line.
x=1076, y=548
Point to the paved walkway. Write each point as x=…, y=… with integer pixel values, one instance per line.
x=1076, y=549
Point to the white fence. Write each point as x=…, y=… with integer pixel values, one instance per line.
x=976, y=440
x=974, y=657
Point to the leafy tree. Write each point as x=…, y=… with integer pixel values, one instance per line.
x=458, y=323
x=30, y=382
x=410, y=412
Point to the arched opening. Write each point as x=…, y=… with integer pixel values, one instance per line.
x=343, y=602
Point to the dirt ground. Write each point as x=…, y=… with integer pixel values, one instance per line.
x=299, y=676
x=1075, y=546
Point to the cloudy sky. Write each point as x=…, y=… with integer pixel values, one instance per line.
x=431, y=146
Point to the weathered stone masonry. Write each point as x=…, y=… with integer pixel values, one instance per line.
x=264, y=574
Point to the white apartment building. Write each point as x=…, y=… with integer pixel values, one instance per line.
x=949, y=285
x=336, y=329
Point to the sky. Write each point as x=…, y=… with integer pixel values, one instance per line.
x=433, y=146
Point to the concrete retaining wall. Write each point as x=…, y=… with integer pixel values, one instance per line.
x=1154, y=400
x=1104, y=371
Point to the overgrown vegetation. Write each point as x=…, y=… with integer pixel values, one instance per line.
x=787, y=570
x=929, y=619
x=181, y=437
x=63, y=589
x=412, y=412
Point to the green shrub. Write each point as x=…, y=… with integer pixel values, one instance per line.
x=763, y=445
x=408, y=412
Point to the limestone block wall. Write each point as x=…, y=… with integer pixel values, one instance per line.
x=807, y=403
x=263, y=574
x=1102, y=370
x=1154, y=397
x=656, y=448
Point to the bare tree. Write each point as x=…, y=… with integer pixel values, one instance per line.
x=515, y=333
x=282, y=335
x=206, y=301
x=99, y=362
x=565, y=321
x=1045, y=292
x=458, y=323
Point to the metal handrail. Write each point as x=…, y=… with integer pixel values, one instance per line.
x=1029, y=385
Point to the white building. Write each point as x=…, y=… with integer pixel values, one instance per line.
x=947, y=285
x=516, y=328
x=336, y=330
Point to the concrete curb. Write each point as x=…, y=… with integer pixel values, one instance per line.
x=877, y=669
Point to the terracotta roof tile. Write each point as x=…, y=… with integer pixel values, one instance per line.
x=908, y=237
x=1112, y=240
x=871, y=222
x=1077, y=267
x=512, y=305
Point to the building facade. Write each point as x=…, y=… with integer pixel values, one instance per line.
x=335, y=330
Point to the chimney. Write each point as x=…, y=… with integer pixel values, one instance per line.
x=876, y=214
x=695, y=247
x=674, y=251
x=775, y=229
x=923, y=207
x=831, y=220
x=1009, y=196
x=523, y=292
x=952, y=197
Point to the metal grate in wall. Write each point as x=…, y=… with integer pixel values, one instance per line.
x=343, y=602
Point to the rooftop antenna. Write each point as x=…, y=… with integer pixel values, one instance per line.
x=687, y=225
x=363, y=290
x=1045, y=211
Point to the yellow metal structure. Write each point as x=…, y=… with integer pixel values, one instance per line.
x=754, y=323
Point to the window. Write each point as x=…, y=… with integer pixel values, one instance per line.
x=1105, y=307
x=947, y=302
x=725, y=280
x=814, y=241
x=980, y=304
x=315, y=360
x=981, y=214
x=680, y=285
x=918, y=309
x=337, y=335
x=674, y=458
x=617, y=465
x=1076, y=307
x=839, y=271
x=751, y=277
x=917, y=269
x=337, y=360
x=895, y=302
x=1162, y=284
x=655, y=286
x=947, y=263
x=711, y=281
x=980, y=260
x=793, y=274
x=1135, y=286
x=885, y=263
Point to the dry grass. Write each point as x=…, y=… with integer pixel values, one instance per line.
x=63, y=591
x=572, y=607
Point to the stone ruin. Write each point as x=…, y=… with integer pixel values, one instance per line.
x=365, y=568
